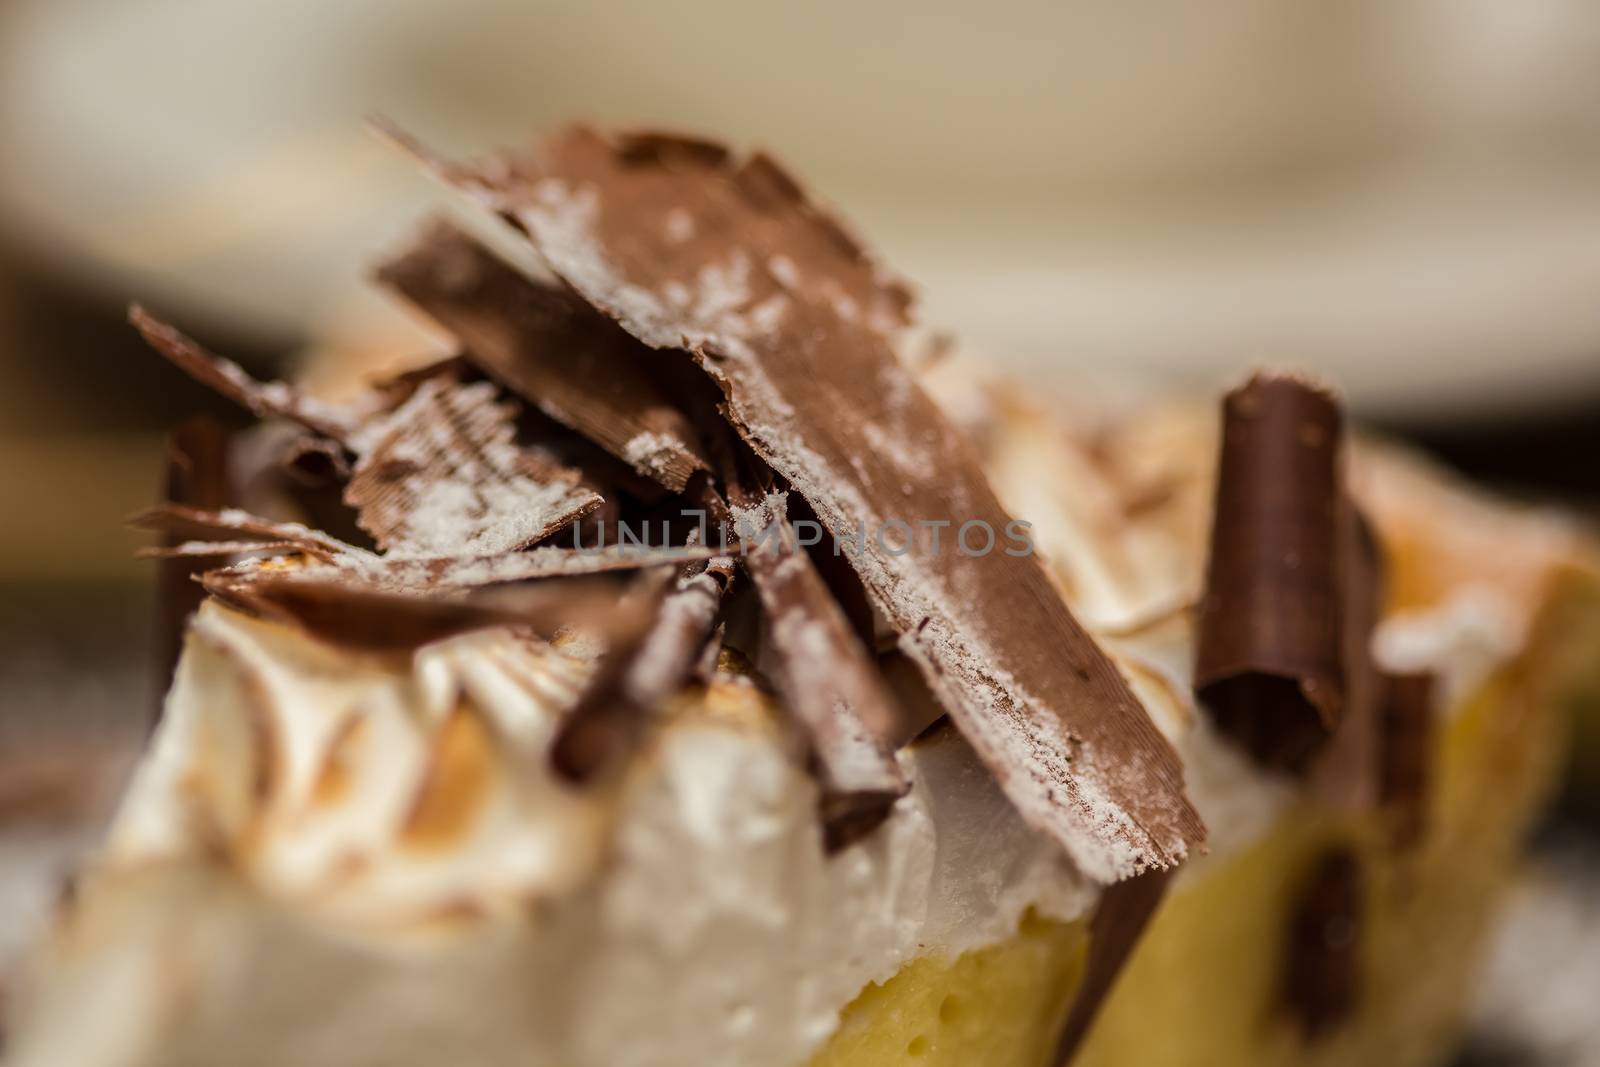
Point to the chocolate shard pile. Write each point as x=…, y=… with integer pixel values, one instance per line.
x=701, y=256
x=713, y=342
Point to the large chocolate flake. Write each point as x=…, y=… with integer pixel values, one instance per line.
x=689, y=249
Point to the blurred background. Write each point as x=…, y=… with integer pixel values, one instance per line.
x=1404, y=194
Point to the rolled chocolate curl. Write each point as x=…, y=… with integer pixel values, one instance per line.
x=1270, y=663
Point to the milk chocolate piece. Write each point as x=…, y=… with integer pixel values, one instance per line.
x=551, y=349
x=688, y=249
x=1322, y=977
x=1120, y=920
x=442, y=475
x=610, y=715
x=263, y=399
x=1270, y=663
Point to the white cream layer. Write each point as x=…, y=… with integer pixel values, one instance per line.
x=329, y=859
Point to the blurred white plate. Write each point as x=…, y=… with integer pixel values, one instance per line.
x=1405, y=194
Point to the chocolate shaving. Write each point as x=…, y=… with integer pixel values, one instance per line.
x=214, y=549
x=1406, y=742
x=687, y=249
x=233, y=524
x=671, y=651
x=825, y=675
x=919, y=707
x=442, y=475
x=450, y=574
x=370, y=621
x=1120, y=920
x=551, y=349
x=437, y=472
x=1322, y=971
x=196, y=476
x=609, y=716
x=1270, y=662
x=263, y=399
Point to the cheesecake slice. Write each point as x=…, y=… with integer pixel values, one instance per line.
x=682, y=672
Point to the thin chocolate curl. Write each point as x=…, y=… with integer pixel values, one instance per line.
x=1270, y=663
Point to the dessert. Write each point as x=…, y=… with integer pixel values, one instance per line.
x=681, y=673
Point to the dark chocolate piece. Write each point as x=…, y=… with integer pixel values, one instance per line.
x=1405, y=746
x=1345, y=772
x=669, y=654
x=314, y=462
x=437, y=469
x=1270, y=663
x=370, y=621
x=610, y=715
x=645, y=670
x=918, y=706
x=443, y=475
x=689, y=250
x=1120, y=920
x=551, y=349
x=1322, y=978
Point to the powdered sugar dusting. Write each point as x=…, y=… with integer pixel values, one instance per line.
x=444, y=476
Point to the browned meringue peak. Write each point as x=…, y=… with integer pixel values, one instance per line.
x=688, y=249
x=437, y=473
